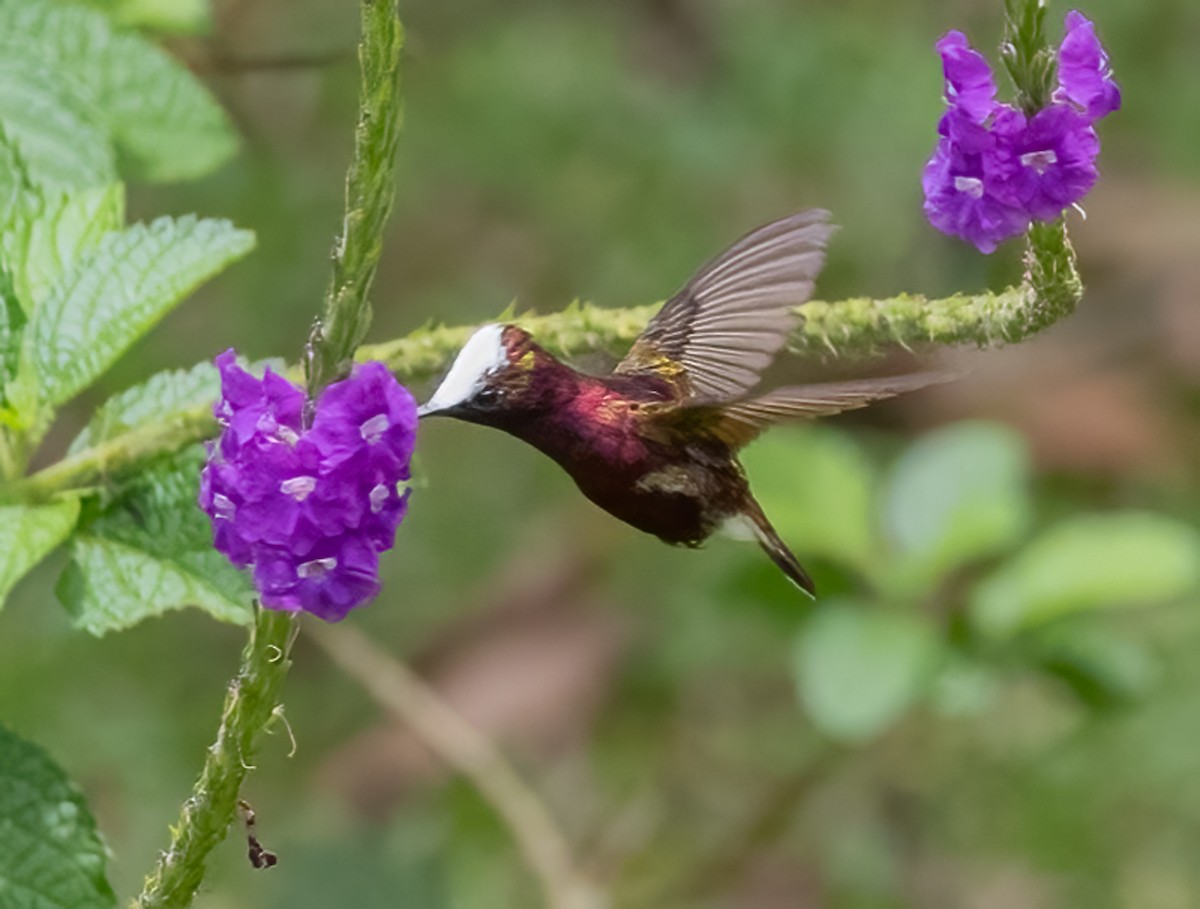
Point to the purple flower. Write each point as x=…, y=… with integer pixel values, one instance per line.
x=309, y=508
x=965, y=190
x=970, y=86
x=994, y=169
x=1084, y=75
x=1049, y=160
x=338, y=574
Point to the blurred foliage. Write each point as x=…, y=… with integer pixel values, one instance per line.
x=167, y=16
x=993, y=705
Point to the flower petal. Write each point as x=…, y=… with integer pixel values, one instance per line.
x=970, y=85
x=964, y=198
x=1049, y=162
x=1084, y=74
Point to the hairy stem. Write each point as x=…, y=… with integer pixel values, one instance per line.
x=253, y=697
x=370, y=188
x=853, y=328
x=250, y=704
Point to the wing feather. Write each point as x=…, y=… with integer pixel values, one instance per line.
x=739, y=422
x=727, y=323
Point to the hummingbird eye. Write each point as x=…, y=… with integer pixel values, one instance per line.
x=488, y=396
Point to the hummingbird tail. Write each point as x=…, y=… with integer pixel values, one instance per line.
x=776, y=549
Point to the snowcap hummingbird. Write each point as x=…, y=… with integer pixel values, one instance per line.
x=655, y=442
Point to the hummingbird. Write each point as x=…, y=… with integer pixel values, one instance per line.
x=655, y=442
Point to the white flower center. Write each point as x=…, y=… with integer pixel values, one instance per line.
x=972, y=186
x=317, y=568
x=224, y=508
x=379, y=496
x=372, y=430
x=274, y=430
x=299, y=488
x=1039, y=160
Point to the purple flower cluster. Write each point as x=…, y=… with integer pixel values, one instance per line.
x=310, y=509
x=995, y=169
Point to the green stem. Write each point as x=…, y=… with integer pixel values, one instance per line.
x=370, y=189
x=1030, y=61
x=253, y=697
x=250, y=705
x=119, y=455
x=854, y=328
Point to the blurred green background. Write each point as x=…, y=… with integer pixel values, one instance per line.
x=997, y=706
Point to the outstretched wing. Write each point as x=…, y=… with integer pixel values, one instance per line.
x=738, y=422
x=728, y=322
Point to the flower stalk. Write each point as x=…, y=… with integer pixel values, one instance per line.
x=854, y=328
x=370, y=189
x=250, y=705
x=1027, y=55
x=252, y=701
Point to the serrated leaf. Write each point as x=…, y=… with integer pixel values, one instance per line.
x=160, y=397
x=165, y=123
x=49, y=230
x=816, y=486
x=859, y=669
x=152, y=552
x=51, y=856
x=111, y=585
x=28, y=533
x=1088, y=563
x=956, y=495
x=118, y=293
x=58, y=137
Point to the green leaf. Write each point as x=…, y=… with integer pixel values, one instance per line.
x=111, y=585
x=858, y=669
x=51, y=856
x=59, y=140
x=118, y=293
x=50, y=230
x=12, y=321
x=165, y=123
x=28, y=533
x=160, y=397
x=152, y=552
x=816, y=485
x=1103, y=668
x=956, y=495
x=13, y=181
x=1088, y=563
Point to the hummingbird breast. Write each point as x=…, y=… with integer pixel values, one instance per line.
x=604, y=436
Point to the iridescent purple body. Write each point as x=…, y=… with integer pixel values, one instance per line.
x=607, y=432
